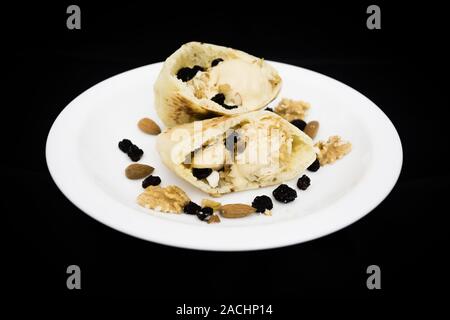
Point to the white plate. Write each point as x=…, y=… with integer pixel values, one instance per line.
x=86, y=164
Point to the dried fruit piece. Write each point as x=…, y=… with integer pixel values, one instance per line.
x=311, y=129
x=205, y=213
x=124, y=145
x=214, y=219
x=299, y=123
x=262, y=203
x=138, y=171
x=236, y=210
x=151, y=181
x=186, y=74
x=314, y=166
x=332, y=150
x=207, y=210
x=229, y=107
x=191, y=208
x=149, y=126
x=210, y=203
x=284, y=193
x=134, y=153
x=220, y=99
x=303, y=182
x=201, y=173
x=168, y=199
x=215, y=62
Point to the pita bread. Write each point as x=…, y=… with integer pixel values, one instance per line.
x=282, y=151
x=247, y=83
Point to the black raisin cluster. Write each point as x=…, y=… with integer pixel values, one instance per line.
x=185, y=74
x=299, y=123
x=201, y=173
x=314, y=166
x=220, y=99
x=262, y=203
x=284, y=193
x=194, y=209
x=303, y=182
x=132, y=150
x=151, y=181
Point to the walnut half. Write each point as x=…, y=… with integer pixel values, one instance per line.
x=169, y=199
x=332, y=150
x=292, y=109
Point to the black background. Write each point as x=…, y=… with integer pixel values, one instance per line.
x=400, y=67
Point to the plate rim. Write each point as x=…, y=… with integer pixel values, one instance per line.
x=193, y=243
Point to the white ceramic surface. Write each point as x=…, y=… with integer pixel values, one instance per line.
x=86, y=164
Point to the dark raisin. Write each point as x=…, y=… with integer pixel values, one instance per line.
x=229, y=107
x=215, y=62
x=202, y=216
x=191, y=208
x=284, y=193
x=205, y=213
x=299, y=123
x=201, y=173
x=135, y=153
x=207, y=210
x=198, y=68
x=269, y=109
x=219, y=98
x=303, y=182
x=151, y=181
x=135, y=157
x=124, y=145
x=261, y=203
x=186, y=73
x=133, y=148
x=314, y=166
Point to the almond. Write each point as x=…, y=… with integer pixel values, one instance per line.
x=138, y=171
x=149, y=126
x=236, y=210
x=311, y=129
